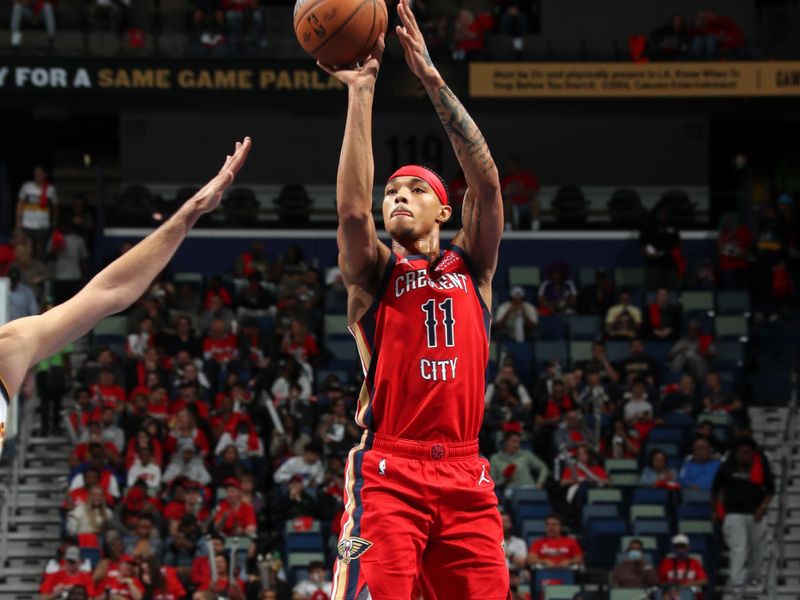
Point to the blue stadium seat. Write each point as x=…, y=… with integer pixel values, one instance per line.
x=526, y=510
x=679, y=420
x=304, y=542
x=585, y=327
x=529, y=495
x=617, y=350
x=658, y=350
x=657, y=528
x=650, y=496
x=695, y=497
x=532, y=528
x=670, y=449
x=551, y=350
x=694, y=511
x=733, y=302
x=603, y=540
x=672, y=435
x=599, y=511
x=552, y=327
x=522, y=355
x=545, y=577
x=560, y=592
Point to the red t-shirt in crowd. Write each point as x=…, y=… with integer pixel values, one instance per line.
x=681, y=570
x=734, y=248
x=174, y=511
x=524, y=179
x=220, y=349
x=553, y=409
x=581, y=475
x=175, y=589
x=108, y=395
x=115, y=586
x=63, y=578
x=561, y=549
x=228, y=520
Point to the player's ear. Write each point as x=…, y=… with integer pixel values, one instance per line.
x=445, y=212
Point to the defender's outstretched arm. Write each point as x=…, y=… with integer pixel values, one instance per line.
x=483, y=203
x=26, y=341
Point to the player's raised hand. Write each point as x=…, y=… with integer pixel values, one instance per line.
x=364, y=73
x=413, y=43
x=208, y=198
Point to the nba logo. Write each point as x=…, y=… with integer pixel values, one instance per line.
x=382, y=467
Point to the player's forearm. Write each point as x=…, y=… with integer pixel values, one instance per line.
x=123, y=281
x=468, y=143
x=356, y=166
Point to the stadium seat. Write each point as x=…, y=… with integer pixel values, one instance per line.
x=604, y=496
x=552, y=327
x=600, y=511
x=679, y=420
x=718, y=419
x=670, y=449
x=585, y=327
x=111, y=327
x=588, y=275
x=681, y=208
x=525, y=510
x=733, y=303
x=530, y=495
x=695, y=497
x=532, y=528
x=524, y=276
x=625, y=209
x=647, y=511
x=617, y=350
x=695, y=527
x=658, y=350
x=694, y=512
x=602, y=540
x=628, y=594
x=192, y=278
x=580, y=351
x=293, y=205
x=624, y=480
x=570, y=206
x=561, y=592
x=672, y=435
x=659, y=529
x=241, y=207
x=551, y=350
x=729, y=352
x=728, y=326
x=627, y=465
x=650, y=496
x=336, y=325
x=343, y=350
x=648, y=557
x=303, y=559
x=304, y=542
x=629, y=277
x=544, y=578
x=700, y=301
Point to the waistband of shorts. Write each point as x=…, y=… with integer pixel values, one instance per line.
x=438, y=451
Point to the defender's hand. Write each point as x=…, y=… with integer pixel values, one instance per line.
x=413, y=43
x=208, y=198
x=363, y=74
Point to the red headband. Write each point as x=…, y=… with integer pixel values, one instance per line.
x=428, y=176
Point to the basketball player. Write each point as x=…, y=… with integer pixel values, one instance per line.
x=419, y=502
x=25, y=342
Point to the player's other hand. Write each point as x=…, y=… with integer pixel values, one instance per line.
x=362, y=75
x=208, y=198
x=413, y=43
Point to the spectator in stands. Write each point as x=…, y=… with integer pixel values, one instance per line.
x=53, y=381
x=183, y=339
x=717, y=399
x=21, y=299
x=743, y=489
x=69, y=255
x=299, y=342
x=252, y=261
x=692, y=353
x=515, y=21
x=594, y=397
x=596, y=298
x=516, y=319
x=600, y=363
x=670, y=41
x=145, y=539
x=621, y=441
x=623, y=320
x=681, y=569
x=582, y=474
x=291, y=373
x=513, y=468
x=657, y=473
x=699, y=469
x=572, y=432
x=90, y=517
x=81, y=220
x=185, y=432
x=245, y=24
x=680, y=397
x=124, y=583
x=207, y=22
x=640, y=365
x=186, y=463
x=663, y=317
x=515, y=549
x=660, y=244
x=111, y=433
x=33, y=272
x=555, y=549
x=716, y=36
x=37, y=201
x=146, y=470
x=772, y=248
x=33, y=13
x=295, y=501
x=308, y=466
x=508, y=376
x=557, y=294
x=634, y=571
x=734, y=250
x=520, y=194
x=315, y=587
x=233, y=516
x=638, y=407
x=55, y=585
x=469, y=34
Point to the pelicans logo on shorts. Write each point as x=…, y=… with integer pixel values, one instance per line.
x=352, y=549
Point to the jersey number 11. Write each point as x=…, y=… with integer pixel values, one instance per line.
x=431, y=322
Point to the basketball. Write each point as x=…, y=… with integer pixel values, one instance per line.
x=339, y=32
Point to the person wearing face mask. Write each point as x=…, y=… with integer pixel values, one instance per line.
x=634, y=571
x=679, y=568
x=315, y=587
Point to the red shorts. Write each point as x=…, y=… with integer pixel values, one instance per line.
x=419, y=518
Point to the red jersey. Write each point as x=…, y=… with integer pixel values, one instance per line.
x=424, y=347
x=560, y=550
x=681, y=571
x=63, y=578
